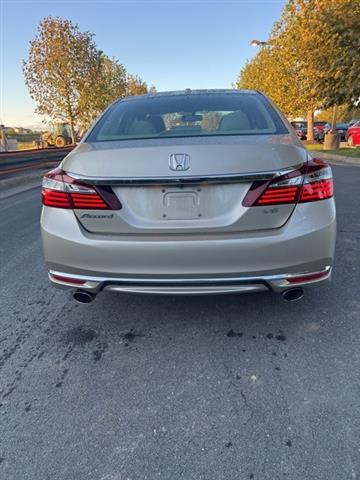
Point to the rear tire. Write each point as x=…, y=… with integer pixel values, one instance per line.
x=60, y=142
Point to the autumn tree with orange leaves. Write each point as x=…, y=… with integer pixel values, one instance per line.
x=311, y=59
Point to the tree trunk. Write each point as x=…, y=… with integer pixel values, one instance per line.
x=70, y=116
x=72, y=131
x=333, y=120
x=310, y=126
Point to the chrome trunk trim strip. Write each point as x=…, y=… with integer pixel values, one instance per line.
x=185, y=180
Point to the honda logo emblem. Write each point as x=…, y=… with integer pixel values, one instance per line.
x=179, y=161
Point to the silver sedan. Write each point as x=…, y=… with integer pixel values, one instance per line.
x=194, y=192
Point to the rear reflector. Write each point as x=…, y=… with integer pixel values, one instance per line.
x=307, y=278
x=74, y=281
x=62, y=191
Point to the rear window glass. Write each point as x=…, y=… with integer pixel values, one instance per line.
x=189, y=115
x=299, y=124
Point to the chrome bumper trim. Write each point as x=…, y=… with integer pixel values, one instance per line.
x=186, y=290
x=275, y=282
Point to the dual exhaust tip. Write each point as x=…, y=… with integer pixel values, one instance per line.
x=291, y=295
x=82, y=296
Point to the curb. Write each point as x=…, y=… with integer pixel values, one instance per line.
x=335, y=158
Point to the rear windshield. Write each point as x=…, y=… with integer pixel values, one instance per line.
x=189, y=115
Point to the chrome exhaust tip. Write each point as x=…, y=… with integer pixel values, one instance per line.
x=83, y=297
x=293, y=294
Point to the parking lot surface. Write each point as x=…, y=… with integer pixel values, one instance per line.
x=195, y=388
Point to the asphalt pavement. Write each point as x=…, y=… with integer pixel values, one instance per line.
x=234, y=387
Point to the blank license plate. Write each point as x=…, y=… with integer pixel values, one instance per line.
x=181, y=205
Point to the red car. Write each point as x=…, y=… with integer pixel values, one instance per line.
x=353, y=135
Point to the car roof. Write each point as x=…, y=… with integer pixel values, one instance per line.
x=188, y=91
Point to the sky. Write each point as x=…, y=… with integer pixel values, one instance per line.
x=172, y=44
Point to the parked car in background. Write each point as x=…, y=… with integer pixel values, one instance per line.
x=353, y=135
x=300, y=129
x=319, y=126
x=353, y=121
x=192, y=192
x=341, y=129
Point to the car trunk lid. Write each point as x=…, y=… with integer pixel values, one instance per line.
x=205, y=198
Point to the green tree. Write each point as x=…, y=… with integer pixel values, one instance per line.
x=336, y=43
x=59, y=67
x=108, y=83
x=344, y=114
x=329, y=32
x=334, y=55
x=135, y=85
x=270, y=74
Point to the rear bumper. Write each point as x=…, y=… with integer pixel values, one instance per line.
x=243, y=262
x=189, y=286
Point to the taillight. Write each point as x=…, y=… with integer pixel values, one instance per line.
x=318, y=182
x=60, y=190
x=310, y=183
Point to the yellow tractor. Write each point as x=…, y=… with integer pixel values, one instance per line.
x=59, y=136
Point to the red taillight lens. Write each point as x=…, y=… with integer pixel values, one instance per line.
x=62, y=191
x=88, y=200
x=53, y=198
x=317, y=190
x=278, y=195
x=282, y=190
x=310, y=183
